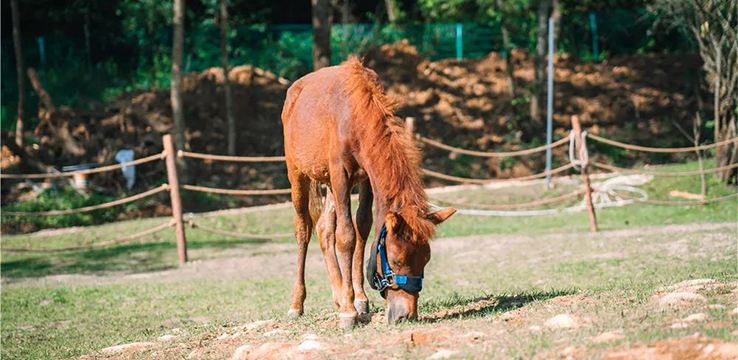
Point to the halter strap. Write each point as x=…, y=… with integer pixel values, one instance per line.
x=409, y=283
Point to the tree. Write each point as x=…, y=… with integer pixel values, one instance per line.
x=176, y=81
x=713, y=24
x=226, y=82
x=20, y=72
x=321, y=33
x=536, y=99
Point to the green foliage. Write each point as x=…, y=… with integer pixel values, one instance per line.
x=62, y=199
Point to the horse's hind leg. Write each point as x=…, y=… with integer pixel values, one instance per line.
x=303, y=227
x=363, y=225
x=326, y=230
x=345, y=241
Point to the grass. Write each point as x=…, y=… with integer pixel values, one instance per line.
x=110, y=296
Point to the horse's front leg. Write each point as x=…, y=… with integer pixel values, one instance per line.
x=363, y=226
x=345, y=243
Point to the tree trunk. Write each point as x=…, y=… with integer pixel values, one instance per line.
x=176, y=81
x=19, y=71
x=226, y=80
x=536, y=100
x=506, y=46
x=321, y=33
x=391, y=10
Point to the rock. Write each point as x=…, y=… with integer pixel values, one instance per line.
x=680, y=325
x=256, y=325
x=166, y=338
x=695, y=317
x=681, y=298
x=716, y=306
x=241, y=352
x=535, y=328
x=474, y=335
x=690, y=285
x=442, y=354
x=734, y=312
x=609, y=336
x=135, y=346
x=275, y=332
x=309, y=345
x=561, y=321
x=310, y=336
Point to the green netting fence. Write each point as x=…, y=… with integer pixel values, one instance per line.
x=141, y=59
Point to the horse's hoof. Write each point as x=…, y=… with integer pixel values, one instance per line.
x=346, y=321
x=362, y=306
x=294, y=314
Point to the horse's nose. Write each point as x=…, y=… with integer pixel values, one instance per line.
x=399, y=311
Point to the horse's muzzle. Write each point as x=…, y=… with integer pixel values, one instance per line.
x=401, y=308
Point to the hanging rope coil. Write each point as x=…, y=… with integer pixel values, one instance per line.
x=579, y=159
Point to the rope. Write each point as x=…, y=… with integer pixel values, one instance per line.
x=663, y=173
x=238, y=235
x=661, y=150
x=687, y=203
x=236, y=191
x=150, y=158
x=580, y=162
x=545, y=201
x=163, y=187
x=202, y=156
x=459, y=179
x=118, y=241
x=491, y=154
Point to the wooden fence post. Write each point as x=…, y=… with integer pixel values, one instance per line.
x=576, y=126
x=175, y=197
x=410, y=126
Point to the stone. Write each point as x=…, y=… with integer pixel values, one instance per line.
x=166, y=338
x=241, y=352
x=275, y=332
x=561, y=321
x=135, y=346
x=309, y=345
x=608, y=336
x=442, y=354
x=681, y=298
x=695, y=317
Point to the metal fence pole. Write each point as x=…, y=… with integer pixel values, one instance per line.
x=459, y=41
x=175, y=197
x=549, y=101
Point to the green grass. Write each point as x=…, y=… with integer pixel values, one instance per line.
x=526, y=263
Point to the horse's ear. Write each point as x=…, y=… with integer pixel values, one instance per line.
x=391, y=220
x=441, y=215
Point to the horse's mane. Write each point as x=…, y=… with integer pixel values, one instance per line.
x=390, y=149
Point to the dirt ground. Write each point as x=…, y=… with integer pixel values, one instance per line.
x=670, y=320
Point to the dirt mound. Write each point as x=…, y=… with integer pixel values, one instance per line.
x=466, y=103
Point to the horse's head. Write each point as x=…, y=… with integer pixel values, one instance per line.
x=398, y=259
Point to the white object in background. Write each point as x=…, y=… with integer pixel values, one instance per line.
x=129, y=171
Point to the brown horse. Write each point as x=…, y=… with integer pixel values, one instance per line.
x=339, y=130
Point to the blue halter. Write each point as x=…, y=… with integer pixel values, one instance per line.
x=409, y=283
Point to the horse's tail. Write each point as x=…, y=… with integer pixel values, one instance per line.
x=315, y=202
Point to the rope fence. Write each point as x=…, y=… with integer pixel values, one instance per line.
x=96, y=170
x=238, y=192
x=238, y=235
x=201, y=156
x=578, y=159
x=493, y=154
x=125, y=200
x=661, y=150
x=117, y=241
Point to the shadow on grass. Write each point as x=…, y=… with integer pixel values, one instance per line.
x=133, y=257
x=458, y=307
